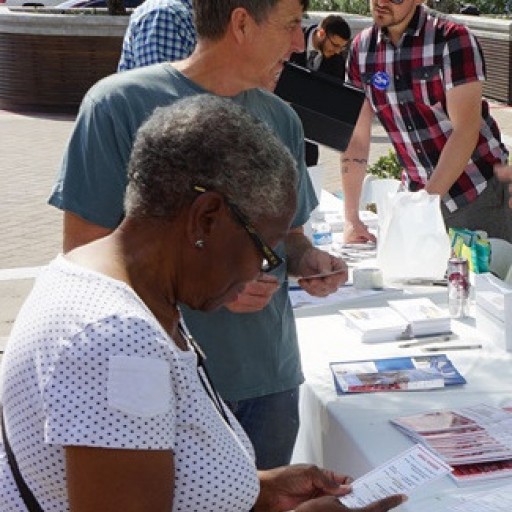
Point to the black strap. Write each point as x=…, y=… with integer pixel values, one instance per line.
x=203, y=374
x=29, y=499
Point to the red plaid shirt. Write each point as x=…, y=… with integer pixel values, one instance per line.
x=406, y=86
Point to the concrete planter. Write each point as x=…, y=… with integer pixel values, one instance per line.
x=48, y=61
x=494, y=35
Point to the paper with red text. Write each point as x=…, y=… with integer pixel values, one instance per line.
x=402, y=474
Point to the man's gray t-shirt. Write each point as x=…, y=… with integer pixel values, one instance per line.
x=248, y=354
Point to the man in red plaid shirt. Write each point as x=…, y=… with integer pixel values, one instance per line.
x=423, y=76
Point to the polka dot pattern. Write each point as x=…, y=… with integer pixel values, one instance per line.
x=55, y=390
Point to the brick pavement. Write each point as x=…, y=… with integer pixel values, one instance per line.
x=31, y=147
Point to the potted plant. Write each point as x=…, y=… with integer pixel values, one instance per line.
x=387, y=167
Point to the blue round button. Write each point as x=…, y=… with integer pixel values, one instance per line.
x=380, y=80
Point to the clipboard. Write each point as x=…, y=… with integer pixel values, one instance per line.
x=327, y=107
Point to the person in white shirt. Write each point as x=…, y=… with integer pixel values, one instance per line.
x=106, y=402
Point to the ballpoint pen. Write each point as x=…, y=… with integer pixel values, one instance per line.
x=326, y=274
x=451, y=347
x=418, y=342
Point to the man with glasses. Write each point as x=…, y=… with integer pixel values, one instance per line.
x=325, y=47
x=422, y=75
x=251, y=344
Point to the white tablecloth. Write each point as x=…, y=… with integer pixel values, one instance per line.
x=352, y=434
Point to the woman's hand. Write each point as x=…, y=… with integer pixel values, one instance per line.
x=307, y=488
x=287, y=487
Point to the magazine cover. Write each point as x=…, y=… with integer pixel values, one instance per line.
x=354, y=378
x=395, y=374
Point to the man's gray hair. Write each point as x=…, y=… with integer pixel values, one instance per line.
x=211, y=17
x=212, y=142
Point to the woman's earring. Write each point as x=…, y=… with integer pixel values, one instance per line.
x=199, y=244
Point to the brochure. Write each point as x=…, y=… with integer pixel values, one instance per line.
x=402, y=474
x=476, y=440
x=395, y=374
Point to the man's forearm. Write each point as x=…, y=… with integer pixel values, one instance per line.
x=463, y=104
x=353, y=171
x=452, y=162
x=296, y=244
x=354, y=162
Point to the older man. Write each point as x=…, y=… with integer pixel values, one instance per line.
x=251, y=345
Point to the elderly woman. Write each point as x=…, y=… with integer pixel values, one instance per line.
x=106, y=403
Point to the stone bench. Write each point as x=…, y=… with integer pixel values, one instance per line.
x=49, y=61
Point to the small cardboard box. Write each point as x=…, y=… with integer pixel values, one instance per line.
x=494, y=308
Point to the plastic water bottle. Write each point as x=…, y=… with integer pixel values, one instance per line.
x=321, y=231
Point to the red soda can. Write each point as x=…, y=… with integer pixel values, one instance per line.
x=458, y=287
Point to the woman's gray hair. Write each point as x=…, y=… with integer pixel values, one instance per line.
x=212, y=142
x=211, y=17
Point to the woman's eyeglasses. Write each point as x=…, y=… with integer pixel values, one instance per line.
x=271, y=260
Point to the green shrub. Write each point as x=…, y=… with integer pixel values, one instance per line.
x=348, y=6
x=493, y=7
x=387, y=166
x=446, y=6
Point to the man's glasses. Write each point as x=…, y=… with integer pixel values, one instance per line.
x=337, y=46
x=397, y=2
x=271, y=260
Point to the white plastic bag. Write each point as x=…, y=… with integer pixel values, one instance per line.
x=413, y=243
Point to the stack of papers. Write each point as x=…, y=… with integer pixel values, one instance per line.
x=400, y=320
x=476, y=441
x=423, y=316
x=355, y=253
x=375, y=324
x=497, y=500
